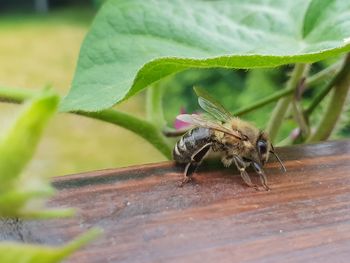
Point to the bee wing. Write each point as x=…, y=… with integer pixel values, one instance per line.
x=212, y=106
x=201, y=121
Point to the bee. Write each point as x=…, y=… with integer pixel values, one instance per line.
x=237, y=141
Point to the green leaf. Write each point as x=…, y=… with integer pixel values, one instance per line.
x=25, y=253
x=134, y=43
x=19, y=142
x=20, y=195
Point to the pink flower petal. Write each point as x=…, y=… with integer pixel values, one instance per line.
x=181, y=125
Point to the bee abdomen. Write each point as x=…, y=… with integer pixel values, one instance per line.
x=190, y=143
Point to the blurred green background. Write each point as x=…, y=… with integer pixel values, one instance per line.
x=38, y=49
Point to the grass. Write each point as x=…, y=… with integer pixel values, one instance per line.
x=40, y=50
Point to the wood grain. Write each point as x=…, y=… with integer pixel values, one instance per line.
x=147, y=218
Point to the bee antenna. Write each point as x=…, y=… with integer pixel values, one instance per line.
x=279, y=160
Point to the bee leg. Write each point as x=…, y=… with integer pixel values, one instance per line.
x=262, y=176
x=189, y=170
x=241, y=167
x=247, y=180
x=192, y=166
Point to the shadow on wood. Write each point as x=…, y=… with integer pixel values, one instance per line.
x=147, y=218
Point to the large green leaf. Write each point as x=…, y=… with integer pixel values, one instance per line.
x=133, y=43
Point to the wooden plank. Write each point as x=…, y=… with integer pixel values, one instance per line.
x=147, y=218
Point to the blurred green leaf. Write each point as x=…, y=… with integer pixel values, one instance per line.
x=19, y=195
x=24, y=196
x=26, y=253
x=134, y=43
x=18, y=144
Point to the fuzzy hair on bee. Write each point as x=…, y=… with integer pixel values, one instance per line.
x=237, y=141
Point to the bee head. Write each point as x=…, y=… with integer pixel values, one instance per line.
x=256, y=149
x=263, y=147
x=259, y=150
x=260, y=155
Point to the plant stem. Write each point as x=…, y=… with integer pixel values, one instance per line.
x=15, y=95
x=341, y=87
x=299, y=118
x=267, y=100
x=286, y=141
x=279, y=111
x=143, y=128
x=154, y=106
x=309, y=83
x=170, y=132
x=297, y=108
x=276, y=119
x=324, y=74
x=327, y=88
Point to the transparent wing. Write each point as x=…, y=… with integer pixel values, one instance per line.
x=202, y=121
x=212, y=106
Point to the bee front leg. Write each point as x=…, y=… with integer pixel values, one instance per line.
x=262, y=176
x=240, y=164
x=196, y=160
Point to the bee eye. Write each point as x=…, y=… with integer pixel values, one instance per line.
x=262, y=147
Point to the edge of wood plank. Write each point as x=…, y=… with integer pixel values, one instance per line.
x=111, y=175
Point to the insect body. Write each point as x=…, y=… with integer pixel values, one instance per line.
x=237, y=141
x=192, y=148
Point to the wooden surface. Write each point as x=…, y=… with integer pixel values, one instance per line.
x=147, y=218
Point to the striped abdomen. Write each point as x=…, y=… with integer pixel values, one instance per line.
x=190, y=143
